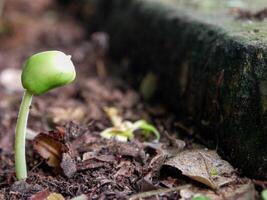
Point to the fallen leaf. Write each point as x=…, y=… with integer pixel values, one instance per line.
x=49, y=149
x=204, y=166
x=236, y=191
x=55, y=196
x=155, y=193
x=42, y=195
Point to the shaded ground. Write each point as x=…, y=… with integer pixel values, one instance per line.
x=102, y=169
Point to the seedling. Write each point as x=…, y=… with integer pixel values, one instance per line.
x=41, y=73
x=264, y=194
x=124, y=130
x=200, y=197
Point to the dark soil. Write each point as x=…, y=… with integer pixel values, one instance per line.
x=113, y=168
x=99, y=168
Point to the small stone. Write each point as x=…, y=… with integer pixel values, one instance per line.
x=68, y=165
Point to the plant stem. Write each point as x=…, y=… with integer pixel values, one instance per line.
x=20, y=157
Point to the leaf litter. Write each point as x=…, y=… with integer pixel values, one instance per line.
x=73, y=161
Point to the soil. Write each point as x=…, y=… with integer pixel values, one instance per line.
x=90, y=165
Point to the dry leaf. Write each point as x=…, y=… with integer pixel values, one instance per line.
x=42, y=195
x=242, y=191
x=204, y=166
x=49, y=149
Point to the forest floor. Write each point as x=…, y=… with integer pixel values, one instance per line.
x=69, y=121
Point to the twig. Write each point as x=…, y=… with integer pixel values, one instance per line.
x=156, y=192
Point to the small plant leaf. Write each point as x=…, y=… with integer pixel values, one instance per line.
x=200, y=197
x=113, y=115
x=264, y=194
x=149, y=128
x=124, y=130
x=119, y=135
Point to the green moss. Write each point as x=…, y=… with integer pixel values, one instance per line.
x=217, y=13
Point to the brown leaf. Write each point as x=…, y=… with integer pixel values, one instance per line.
x=204, y=166
x=49, y=149
x=241, y=191
x=42, y=195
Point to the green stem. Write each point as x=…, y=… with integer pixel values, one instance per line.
x=20, y=157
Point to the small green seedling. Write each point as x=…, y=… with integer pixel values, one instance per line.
x=200, y=197
x=41, y=73
x=124, y=130
x=264, y=194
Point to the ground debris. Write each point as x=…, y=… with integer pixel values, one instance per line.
x=24, y=189
x=49, y=149
x=68, y=165
x=72, y=161
x=40, y=195
x=204, y=166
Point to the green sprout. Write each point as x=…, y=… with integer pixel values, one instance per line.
x=264, y=194
x=200, y=197
x=41, y=73
x=124, y=130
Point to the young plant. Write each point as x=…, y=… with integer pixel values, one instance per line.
x=124, y=130
x=264, y=194
x=41, y=73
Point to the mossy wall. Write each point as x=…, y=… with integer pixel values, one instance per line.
x=213, y=70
